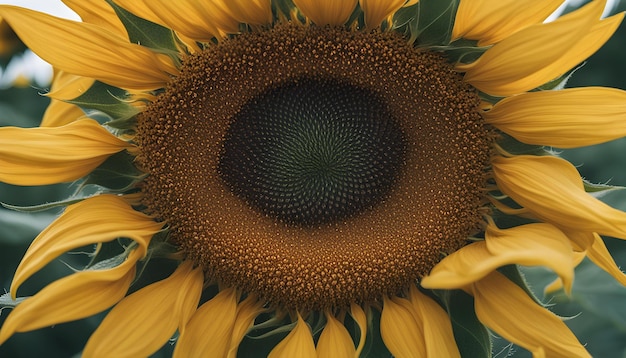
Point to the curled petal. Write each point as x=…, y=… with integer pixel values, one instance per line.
x=247, y=311
x=197, y=20
x=530, y=245
x=89, y=50
x=438, y=334
x=326, y=12
x=506, y=309
x=600, y=255
x=557, y=284
x=552, y=190
x=142, y=322
x=360, y=318
x=50, y=155
x=335, y=341
x=402, y=333
x=568, y=118
x=77, y=296
x=581, y=240
x=535, y=245
x=298, y=343
x=541, y=53
x=98, y=219
x=490, y=21
x=209, y=332
x=376, y=11
x=65, y=86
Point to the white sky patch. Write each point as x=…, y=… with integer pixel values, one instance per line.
x=610, y=6
x=30, y=65
x=36, y=69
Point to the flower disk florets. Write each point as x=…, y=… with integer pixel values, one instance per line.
x=229, y=200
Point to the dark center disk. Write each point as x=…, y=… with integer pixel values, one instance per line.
x=312, y=152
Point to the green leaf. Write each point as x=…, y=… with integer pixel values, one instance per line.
x=405, y=21
x=559, y=82
x=109, y=263
x=471, y=336
x=46, y=206
x=123, y=124
x=282, y=8
x=513, y=146
x=263, y=337
x=106, y=99
x=146, y=33
x=374, y=345
x=435, y=21
x=599, y=189
x=104, y=251
x=505, y=221
x=118, y=173
x=595, y=311
x=514, y=275
x=85, y=191
x=461, y=50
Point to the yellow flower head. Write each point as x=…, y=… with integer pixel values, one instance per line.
x=326, y=176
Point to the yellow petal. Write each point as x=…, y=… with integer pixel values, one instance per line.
x=600, y=255
x=491, y=21
x=326, y=12
x=298, y=343
x=557, y=284
x=9, y=42
x=98, y=219
x=552, y=190
x=98, y=13
x=198, y=20
x=253, y=12
x=88, y=50
x=208, y=333
x=568, y=118
x=73, y=297
x=592, y=41
x=247, y=311
x=438, y=334
x=65, y=86
x=529, y=245
x=402, y=333
x=506, y=309
x=540, y=53
x=534, y=245
x=359, y=317
x=142, y=322
x=335, y=341
x=50, y=155
x=581, y=240
x=376, y=11
x=59, y=113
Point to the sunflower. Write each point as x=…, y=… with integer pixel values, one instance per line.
x=325, y=175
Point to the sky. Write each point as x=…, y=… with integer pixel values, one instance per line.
x=30, y=65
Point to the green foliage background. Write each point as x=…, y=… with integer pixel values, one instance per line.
x=596, y=308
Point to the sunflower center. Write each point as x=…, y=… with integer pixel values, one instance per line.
x=312, y=151
x=315, y=166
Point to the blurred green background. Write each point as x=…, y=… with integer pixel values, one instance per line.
x=597, y=306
